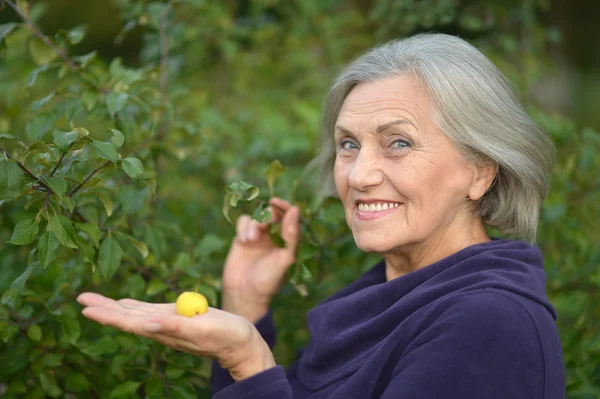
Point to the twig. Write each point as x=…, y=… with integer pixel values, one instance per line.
x=27, y=171
x=62, y=156
x=72, y=193
x=43, y=37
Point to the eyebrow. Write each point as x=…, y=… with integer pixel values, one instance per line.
x=394, y=123
x=380, y=128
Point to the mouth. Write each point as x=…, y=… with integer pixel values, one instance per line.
x=369, y=210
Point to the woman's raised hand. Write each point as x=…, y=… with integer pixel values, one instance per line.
x=255, y=267
x=230, y=339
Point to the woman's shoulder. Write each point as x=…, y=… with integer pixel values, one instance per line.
x=493, y=317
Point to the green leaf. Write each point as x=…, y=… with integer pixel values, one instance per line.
x=62, y=228
x=91, y=230
x=17, y=285
x=242, y=191
x=133, y=167
x=77, y=382
x=41, y=53
x=57, y=184
x=25, y=232
x=156, y=286
x=36, y=105
x=89, y=99
x=5, y=29
x=63, y=140
x=49, y=385
x=154, y=388
x=117, y=139
x=8, y=332
x=68, y=203
x=85, y=59
x=11, y=179
x=236, y=192
x=125, y=389
x=46, y=249
x=106, y=150
x=86, y=251
x=34, y=332
x=76, y=35
x=69, y=323
x=140, y=246
x=262, y=214
x=38, y=126
x=109, y=257
x=275, y=170
x=136, y=286
x=103, y=346
x=104, y=197
x=52, y=359
x=182, y=261
x=208, y=245
x=116, y=102
x=35, y=74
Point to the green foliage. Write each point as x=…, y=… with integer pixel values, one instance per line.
x=112, y=176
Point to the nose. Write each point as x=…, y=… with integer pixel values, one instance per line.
x=366, y=172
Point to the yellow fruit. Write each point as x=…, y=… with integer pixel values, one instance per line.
x=191, y=303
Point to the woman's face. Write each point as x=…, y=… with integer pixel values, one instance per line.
x=401, y=180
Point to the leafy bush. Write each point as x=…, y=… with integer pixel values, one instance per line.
x=114, y=178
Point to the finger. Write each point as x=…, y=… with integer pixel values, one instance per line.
x=145, y=306
x=242, y=226
x=93, y=299
x=123, y=319
x=290, y=228
x=279, y=207
x=255, y=229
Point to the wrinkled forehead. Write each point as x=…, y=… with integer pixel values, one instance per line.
x=386, y=100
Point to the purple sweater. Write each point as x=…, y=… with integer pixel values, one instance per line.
x=476, y=324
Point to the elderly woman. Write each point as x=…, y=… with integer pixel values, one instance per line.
x=426, y=146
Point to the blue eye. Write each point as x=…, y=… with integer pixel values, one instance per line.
x=400, y=144
x=348, y=145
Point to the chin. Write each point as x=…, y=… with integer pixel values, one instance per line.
x=374, y=243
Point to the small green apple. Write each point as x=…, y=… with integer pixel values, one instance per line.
x=191, y=303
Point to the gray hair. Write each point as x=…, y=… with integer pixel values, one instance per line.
x=475, y=106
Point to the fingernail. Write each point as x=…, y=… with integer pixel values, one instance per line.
x=252, y=234
x=153, y=327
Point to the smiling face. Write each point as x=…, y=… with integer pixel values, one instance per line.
x=403, y=183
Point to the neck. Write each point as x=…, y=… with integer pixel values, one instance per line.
x=414, y=256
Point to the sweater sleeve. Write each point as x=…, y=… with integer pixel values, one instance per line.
x=220, y=378
x=482, y=346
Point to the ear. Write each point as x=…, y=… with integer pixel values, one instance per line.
x=483, y=178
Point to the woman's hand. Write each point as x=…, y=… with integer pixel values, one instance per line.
x=231, y=340
x=255, y=266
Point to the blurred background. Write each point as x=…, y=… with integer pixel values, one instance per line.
x=207, y=93
x=570, y=86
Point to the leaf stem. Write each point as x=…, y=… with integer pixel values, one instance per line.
x=62, y=156
x=72, y=193
x=43, y=37
x=27, y=171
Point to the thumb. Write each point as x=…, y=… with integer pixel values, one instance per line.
x=290, y=226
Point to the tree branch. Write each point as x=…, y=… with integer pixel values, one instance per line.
x=27, y=171
x=43, y=37
x=62, y=156
x=72, y=193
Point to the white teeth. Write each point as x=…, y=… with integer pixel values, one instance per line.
x=377, y=207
